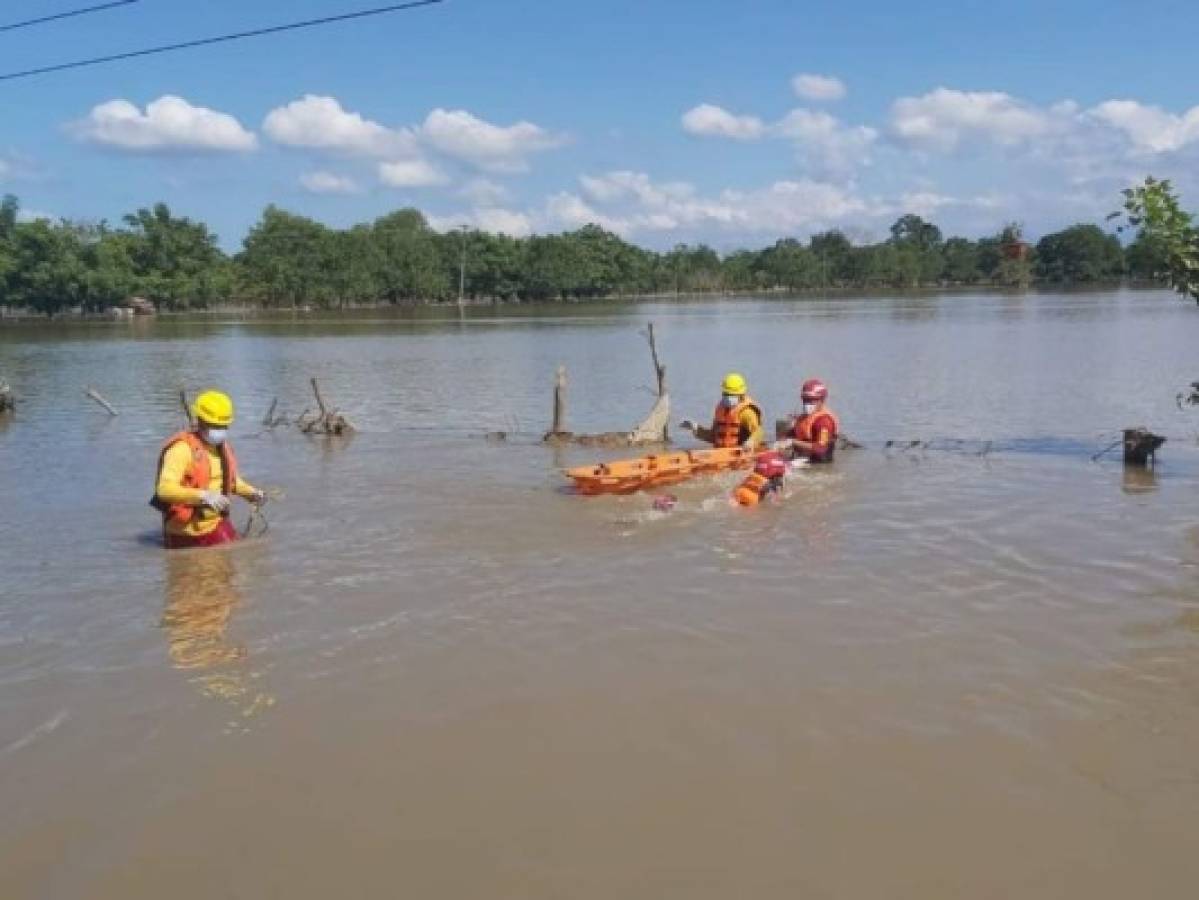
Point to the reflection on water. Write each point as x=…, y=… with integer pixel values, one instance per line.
x=1139, y=480
x=201, y=598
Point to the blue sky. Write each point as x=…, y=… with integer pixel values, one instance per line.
x=666, y=121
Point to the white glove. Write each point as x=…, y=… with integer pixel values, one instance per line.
x=215, y=500
x=258, y=497
x=687, y=425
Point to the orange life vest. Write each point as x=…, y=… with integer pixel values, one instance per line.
x=727, y=430
x=198, y=474
x=808, y=428
x=766, y=478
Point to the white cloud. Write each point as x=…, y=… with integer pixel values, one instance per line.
x=707, y=120
x=502, y=221
x=818, y=87
x=493, y=148
x=493, y=219
x=567, y=210
x=630, y=203
x=944, y=118
x=410, y=173
x=1150, y=129
x=169, y=124
x=624, y=184
x=484, y=193
x=328, y=183
x=829, y=146
x=925, y=203
x=320, y=123
x=826, y=142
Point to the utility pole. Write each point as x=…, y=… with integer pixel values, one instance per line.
x=462, y=273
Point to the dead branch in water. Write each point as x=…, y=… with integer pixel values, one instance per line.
x=92, y=394
x=271, y=421
x=659, y=369
x=327, y=421
x=653, y=430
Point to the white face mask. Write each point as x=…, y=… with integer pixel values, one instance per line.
x=730, y=400
x=809, y=408
x=215, y=436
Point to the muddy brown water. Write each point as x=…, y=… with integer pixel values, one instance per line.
x=933, y=674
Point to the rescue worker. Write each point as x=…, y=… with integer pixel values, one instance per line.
x=737, y=421
x=764, y=482
x=198, y=477
x=814, y=436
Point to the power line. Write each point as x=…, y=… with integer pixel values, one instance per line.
x=67, y=15
x=274, y=29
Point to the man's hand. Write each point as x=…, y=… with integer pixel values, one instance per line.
x=258, y=497
x=215, y=500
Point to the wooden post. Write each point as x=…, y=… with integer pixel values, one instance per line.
x=559, y=425
x=187, y=409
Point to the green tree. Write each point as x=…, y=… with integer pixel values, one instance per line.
x=283, y=260
x=407, y=265
x=1147, y=258
x=919, y=260
x=791, y=265
x=962, y=259
x=1154, y=210
x=173, y=257
x=833, y=255
x=1079, y=254
x=9, y=209
x=49, y=274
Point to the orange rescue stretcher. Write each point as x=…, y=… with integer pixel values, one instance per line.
x=626, y=476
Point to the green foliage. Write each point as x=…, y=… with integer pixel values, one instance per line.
x=289, y=260
x=1080, y=254
x=962, y=259
x=1153, y=208
x=172, y=258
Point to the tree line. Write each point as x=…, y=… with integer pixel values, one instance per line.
x=288, y=260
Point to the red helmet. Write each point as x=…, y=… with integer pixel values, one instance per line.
x=814, y=389
x=771, y=465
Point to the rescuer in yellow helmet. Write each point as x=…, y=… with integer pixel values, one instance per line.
x=197, y=478
x=737, y=421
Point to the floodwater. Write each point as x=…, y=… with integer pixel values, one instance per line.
x=967, y=670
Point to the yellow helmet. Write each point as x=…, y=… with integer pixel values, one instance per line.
x=214, y=408
x=734, y=384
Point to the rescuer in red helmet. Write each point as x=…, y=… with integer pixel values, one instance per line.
x=814, y=437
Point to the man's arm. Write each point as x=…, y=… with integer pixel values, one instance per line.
x=752, y=424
